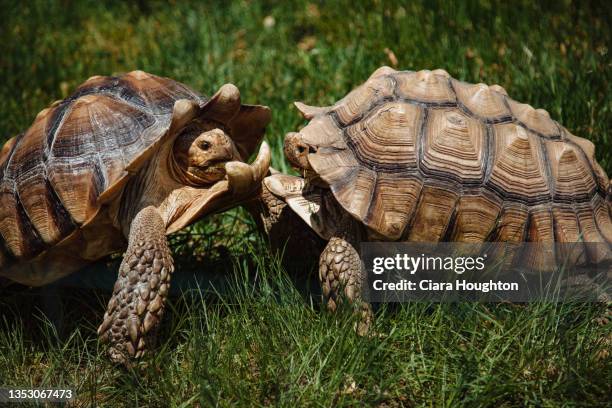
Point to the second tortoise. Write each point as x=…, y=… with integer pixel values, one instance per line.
x=420, y=156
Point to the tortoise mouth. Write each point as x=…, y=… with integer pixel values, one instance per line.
x=208, y=173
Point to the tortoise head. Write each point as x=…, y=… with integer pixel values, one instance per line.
x=213, y=134
x=306, y=149
x=201, y=151
x=299, y=145
x=297, y=150
x=211, y=142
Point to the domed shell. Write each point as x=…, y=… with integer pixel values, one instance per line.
x=420, y=156
x=79, y=153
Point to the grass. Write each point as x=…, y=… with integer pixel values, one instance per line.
x=252, y=337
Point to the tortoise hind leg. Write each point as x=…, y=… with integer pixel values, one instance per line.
x=136, y=306
x=341, y=275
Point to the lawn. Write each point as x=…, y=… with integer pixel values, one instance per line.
x=257, y=334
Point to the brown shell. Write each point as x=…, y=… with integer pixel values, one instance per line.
x=79, y=152
x=422, y=156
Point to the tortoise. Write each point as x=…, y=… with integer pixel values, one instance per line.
x=122, y=162
x=420, y=156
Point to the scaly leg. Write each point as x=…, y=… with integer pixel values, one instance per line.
x=341, y=274
x=136, y=307
x=287, y=232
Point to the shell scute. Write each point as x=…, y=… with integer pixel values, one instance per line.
x=566, y=226
x=572, y=178
x=433, y=214
x=540, y=229
x=159, y=94
x=382, y=71
x=512, y=223
x=358, y=102
x=78, y=185
x=323, y=131
x=393, y=203
x=334, y=161
x=567, y=229
x=482, y=101
x=426, y=86
x=589, y=151
x=535, y=119
x=386, y=138
x=86, y=127
x=476, y=217
x=20, y=237
x=360, y=191
x=602, y=217
x=518, y=165
x=590, y=231
x=453, y=146
x=498, y=88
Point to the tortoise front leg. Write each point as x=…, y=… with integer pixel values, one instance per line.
x=341, y=275
x=288, y=234
x=135, y=309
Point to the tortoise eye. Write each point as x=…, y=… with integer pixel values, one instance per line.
x=205, y=145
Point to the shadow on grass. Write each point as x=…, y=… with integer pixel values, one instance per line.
x=240, y=330
x=79, y=300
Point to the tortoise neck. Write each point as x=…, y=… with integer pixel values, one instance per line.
x=150, y=186
x=175, y=171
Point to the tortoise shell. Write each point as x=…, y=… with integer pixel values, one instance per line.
x=79, y=153
x=420, y=156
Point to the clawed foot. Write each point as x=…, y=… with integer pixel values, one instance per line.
x=136, y=307
x=340, y=273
